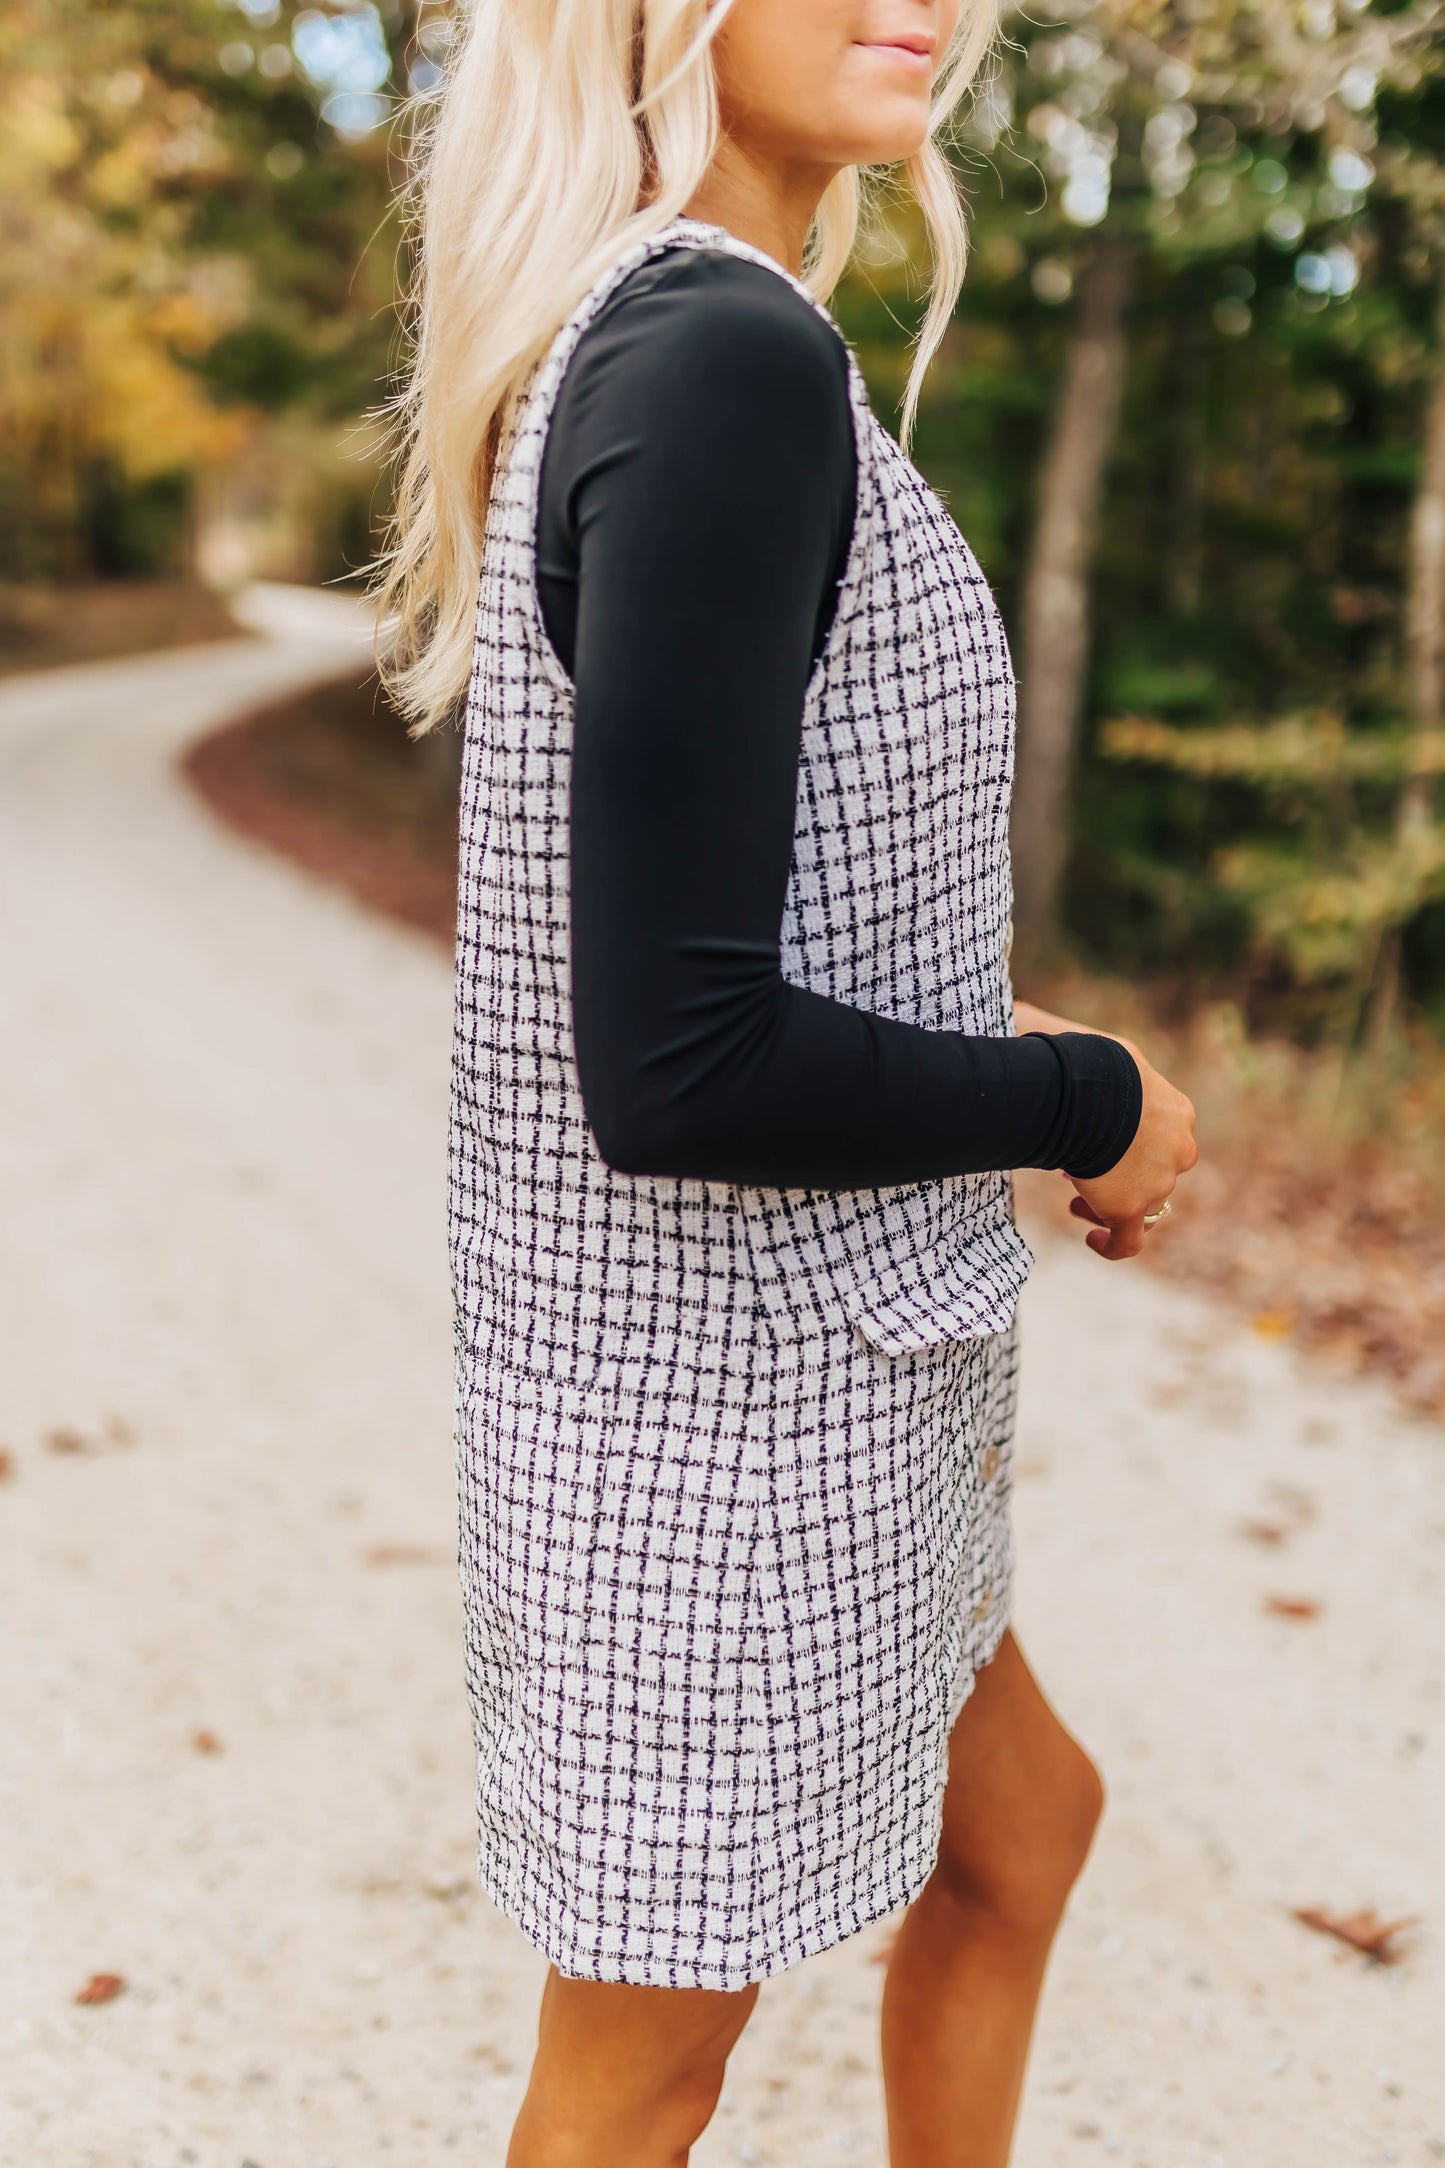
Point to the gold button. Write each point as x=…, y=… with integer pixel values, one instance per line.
x=990, y=1464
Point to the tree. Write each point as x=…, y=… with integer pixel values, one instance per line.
x=196, y=203
x=1055, y=614
x=1107, y=103
x=1414, y=180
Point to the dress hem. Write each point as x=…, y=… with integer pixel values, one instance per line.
x=729, y=1979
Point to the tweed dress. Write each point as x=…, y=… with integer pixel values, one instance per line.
x=733, y=1462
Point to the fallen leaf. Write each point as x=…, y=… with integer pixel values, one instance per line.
x=1363, y=1931
x=7, y=1464
x=1273, y=1324
x=205, y=1742
x=64, y=1441
x=101, y=1987
x=1293, y=1606
x=1272, y=1532
x=406, y=1554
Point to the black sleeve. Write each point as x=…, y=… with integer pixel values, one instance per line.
x=695, y=510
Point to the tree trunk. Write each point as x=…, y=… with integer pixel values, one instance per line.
x=1425, y=596
x=1425, y=662
x=1181, y=545
x=1054, y=637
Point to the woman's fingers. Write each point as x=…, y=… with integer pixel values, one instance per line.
x=1111, y=1238
x=1121, y=1238
x=1161, y=1190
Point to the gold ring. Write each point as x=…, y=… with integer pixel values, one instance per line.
x=1152, y=1219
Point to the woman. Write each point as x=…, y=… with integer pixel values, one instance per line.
x=738, y=1076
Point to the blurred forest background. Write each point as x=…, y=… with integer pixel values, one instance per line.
x=1190, y=415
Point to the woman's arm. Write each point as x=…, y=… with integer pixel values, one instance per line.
x=697, y=496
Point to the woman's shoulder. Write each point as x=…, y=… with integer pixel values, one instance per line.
x=703, y=316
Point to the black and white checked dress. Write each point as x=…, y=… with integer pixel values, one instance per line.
x=733, y=1462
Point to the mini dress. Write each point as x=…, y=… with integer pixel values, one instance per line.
x=733, y=1460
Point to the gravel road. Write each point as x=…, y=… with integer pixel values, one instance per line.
x=234, y=1758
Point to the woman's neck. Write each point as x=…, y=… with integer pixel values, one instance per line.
x=769, y=207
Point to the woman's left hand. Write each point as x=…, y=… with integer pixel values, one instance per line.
x=1117, y=1226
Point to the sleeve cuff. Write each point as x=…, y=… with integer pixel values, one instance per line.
x=1104, y=1099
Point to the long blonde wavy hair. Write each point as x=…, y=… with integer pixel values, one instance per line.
x=563, y=132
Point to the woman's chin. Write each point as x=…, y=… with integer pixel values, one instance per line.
x=889, y=129
x=875, y=146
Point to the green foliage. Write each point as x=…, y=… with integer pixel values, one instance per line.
x=1313, y=750
x=1325, y=919
x=259, y=364
x=1321, y=888
x=197, y=242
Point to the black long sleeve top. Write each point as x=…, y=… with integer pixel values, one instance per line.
x=695, y=513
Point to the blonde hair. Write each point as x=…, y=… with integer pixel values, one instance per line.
x=565, y=131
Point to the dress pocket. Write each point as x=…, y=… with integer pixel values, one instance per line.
x=954, y=1291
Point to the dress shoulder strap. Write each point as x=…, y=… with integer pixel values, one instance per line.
x=538, y=395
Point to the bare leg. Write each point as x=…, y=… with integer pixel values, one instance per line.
x=1021, y=1807
x=624, y=2077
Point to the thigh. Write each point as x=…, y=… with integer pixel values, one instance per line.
x=1022, y=1795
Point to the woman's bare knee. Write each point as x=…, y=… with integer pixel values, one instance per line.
x=1022, y=1804
x=1019, y=1872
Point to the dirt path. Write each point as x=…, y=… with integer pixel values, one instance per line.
x=234, y=1762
